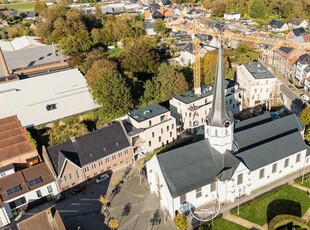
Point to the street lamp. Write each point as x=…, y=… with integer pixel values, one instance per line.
x=303, y=171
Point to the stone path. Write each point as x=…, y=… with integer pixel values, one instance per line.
x=243, y=222
x=300, y=187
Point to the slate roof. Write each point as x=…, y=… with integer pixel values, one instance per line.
x=304, y=59
x=258, y=70
x=272, y=151
x=261, y=141
x=147, y=112
x=296, y=21
x=276, y=24
x=285, y=49
x=89, y=147
x=269, y=131
x=204, y=37
x=205, y=164
x=299, y=32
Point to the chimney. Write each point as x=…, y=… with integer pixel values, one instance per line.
x=3, y=64
x=72, y=138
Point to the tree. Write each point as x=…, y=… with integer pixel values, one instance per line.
x=151, y=93
x=111, y=92
x=40, y=7
x=94, y=56
x=181, y=222
x=62, y=132
x=113, y=224
x=218, y=7
x=172, y=82
x=160, y=27
x=140, y=55
x=258, y=9
x=76, y=44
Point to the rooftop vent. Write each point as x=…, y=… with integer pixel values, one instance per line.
x=116, y=143
x=90, y=155
x=146, y=112
x=50, y=107
x=136, y=116
x=104, y=149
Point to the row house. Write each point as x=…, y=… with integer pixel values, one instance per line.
x=15, y=147
x=23, y=189
x=297, y=23
x=302, y=70
x=259, y=84
x=82, y=158
x=149, y=128
x=190, y=109
x=284, y=59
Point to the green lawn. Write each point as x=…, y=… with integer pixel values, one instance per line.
x=306, y=181
x=220, y=224
x=288, y=199
x=21, y=6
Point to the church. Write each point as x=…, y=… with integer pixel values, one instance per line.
x=227, y=160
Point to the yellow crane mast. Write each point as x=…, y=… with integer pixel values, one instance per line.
x=196, y=64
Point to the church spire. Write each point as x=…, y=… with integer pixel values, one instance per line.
x=219, y=124
x=218, y=114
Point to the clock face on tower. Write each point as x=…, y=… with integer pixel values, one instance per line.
x=227, y=124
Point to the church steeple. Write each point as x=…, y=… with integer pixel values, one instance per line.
x=218, y=114
x=219, y=123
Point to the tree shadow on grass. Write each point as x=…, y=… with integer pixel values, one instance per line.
x=282, y=206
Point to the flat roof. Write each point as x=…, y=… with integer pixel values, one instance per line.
x=189, y=96
x=29, y=98
x=147, y=112
x=258, y=70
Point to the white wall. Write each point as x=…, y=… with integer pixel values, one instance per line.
x=4, y=219
x=31, y=196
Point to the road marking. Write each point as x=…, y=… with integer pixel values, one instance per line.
x=80, y=203
x=60, y=211
x=86, y=199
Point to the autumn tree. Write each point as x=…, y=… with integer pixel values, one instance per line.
x=61, y=132
x=208, y=67
x=113, y=223
x=160, y=27
x=140, y=55
x=97, y=68
x=40, y=7
x=93, y=56
x=172, y=82
x=181, y=222
x=218, y=7
x=111, y=92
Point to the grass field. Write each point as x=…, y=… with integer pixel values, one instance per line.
x=220, y=224
x=21, y=6
x=306, y=181
x=288, y=200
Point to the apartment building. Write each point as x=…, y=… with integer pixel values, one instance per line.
x=20, y=190
x=190, y=109
x=149, y=128
x=82, y=158
x=15, y=146
x=260, y=86
x=302, y=70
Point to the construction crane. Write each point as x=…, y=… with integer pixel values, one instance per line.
x=196, y=65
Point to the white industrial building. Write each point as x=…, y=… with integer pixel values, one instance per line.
x=228, y=160
x=46, y=98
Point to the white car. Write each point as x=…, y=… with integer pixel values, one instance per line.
x=304, y=97
x=102, y=177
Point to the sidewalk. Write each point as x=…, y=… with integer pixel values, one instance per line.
x=243, y=222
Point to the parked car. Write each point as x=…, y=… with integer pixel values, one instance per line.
x=304, y=97
x=102, y=177
x=291, y=87
x=60, y=197
x=79, y=188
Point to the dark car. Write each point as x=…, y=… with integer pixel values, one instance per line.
x=60, y=197
x=78, y=188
